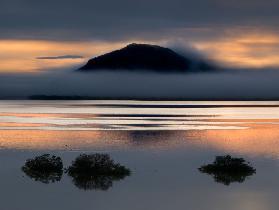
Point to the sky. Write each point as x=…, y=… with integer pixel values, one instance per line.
x=42, y=43
x=65, y=33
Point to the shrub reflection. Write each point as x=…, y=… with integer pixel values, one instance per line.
x=226, y=169
x=96, y=172
x=45, y=168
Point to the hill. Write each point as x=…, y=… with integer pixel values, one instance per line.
x=145, y=57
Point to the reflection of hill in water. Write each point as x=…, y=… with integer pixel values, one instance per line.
x=227, y=170
x=150, y=137
x=45, y=168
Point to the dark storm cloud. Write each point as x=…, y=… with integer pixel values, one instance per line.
x=127, y=19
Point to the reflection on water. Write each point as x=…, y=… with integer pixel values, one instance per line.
x=95, y=182
x=96, y=171
x=259, y=140
x=45, y=168
x=46, y=178
x=162, y=142
x=97, y=124
x=134, y=115
x=227, y=170
x=88, y=172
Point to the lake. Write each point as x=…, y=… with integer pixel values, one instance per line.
x=162, y=142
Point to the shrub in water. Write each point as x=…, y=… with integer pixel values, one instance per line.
x=226, y=169
x=96, y=171
x=44, y=168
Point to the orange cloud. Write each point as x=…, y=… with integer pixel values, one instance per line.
x=20, y=55
x=239, y=47
x=254, y=50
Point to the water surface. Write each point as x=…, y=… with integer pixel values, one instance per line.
x=163, y=143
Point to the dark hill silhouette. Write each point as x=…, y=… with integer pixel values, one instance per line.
x=145, y=57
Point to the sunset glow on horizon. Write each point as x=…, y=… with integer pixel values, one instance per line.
x=22, y=55
x=238, y=51
x=248, y=51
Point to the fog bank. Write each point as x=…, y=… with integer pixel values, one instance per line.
x=240, y=84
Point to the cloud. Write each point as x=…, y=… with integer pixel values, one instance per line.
x=60, y=57
x=128, y=19
x=20, y=55
x=193, y=22
x=253, y=49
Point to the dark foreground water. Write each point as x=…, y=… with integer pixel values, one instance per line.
x=163, y=143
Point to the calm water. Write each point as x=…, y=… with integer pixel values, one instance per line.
x=163, y=143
